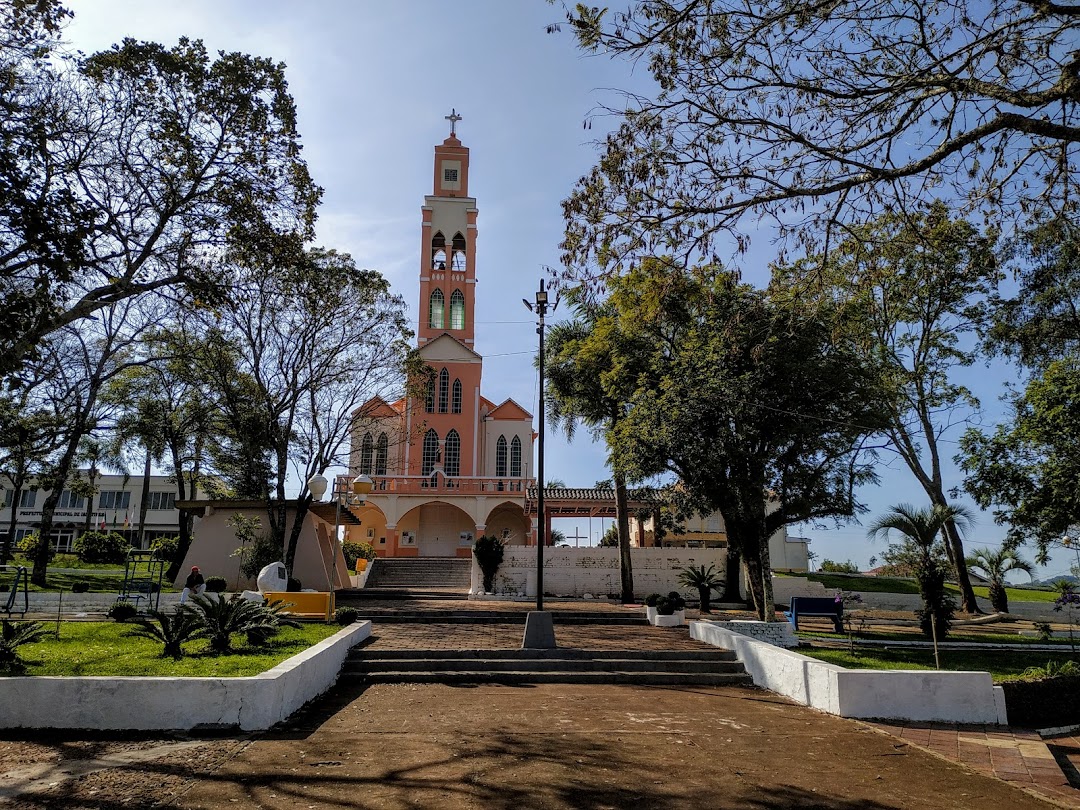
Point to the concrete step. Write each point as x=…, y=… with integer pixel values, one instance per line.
x=420, y=572
x=559, y=653
x=532, y=677
x=494, y=617
x=561, y=665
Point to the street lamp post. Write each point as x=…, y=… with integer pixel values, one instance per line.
x=353, y=493
x=539, y=631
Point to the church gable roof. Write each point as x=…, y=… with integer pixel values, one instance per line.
x=447, y=349
x=375, y=408
x=510, y=410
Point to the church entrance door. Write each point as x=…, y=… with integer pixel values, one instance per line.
x=440, y=530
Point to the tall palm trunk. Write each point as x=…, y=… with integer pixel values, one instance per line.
x=144, y=499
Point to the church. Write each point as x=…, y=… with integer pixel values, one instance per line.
x=450, y=464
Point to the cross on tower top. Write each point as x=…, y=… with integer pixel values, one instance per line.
x=453, y=118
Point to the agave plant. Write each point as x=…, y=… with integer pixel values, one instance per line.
x=706, y=580
x=12, y=636
x=221, y=618
x=276, y=618
x=171, y=629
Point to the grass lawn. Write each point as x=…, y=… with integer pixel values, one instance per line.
x=104, y=648
x=835, y=582
x=954, y=635
x=54, y=581
x=1001, y=664
x=1014, y=594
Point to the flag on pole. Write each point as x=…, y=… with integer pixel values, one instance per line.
x=102, y=524
x=127, y=519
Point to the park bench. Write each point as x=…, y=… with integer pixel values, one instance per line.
x=828, y=607
x=306, y=604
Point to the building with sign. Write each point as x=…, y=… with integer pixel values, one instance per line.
x=115, y=507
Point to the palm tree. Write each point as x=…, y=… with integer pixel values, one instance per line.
x=922, y=529
x=704, y=579
x=221, y=618
x=994, y=565
x=12, y=636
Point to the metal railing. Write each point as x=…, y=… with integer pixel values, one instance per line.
x=443, y=484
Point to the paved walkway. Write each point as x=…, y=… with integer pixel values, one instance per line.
x=1017, y=756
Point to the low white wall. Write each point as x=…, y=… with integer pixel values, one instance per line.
x=161, y=703
x=915, y=695
x=578, y=571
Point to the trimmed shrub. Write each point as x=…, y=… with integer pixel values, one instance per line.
x=122, y=611
x=357, y=551
x=677, y=600
x=652, y=599
x=28, y=547
x=831, y=567
x=100, y=547
x=216, y=584
x=82, y=586
x=166, y=548
x=346, y=615
x=293, y=586
x=489, y=551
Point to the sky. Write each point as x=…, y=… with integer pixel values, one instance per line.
x=372, y=82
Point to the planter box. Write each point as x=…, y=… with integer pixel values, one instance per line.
x=650, y=614
x=674, y=620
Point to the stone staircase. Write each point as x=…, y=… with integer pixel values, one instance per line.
x=575, y=666
x=421, y=574
x=451, y=616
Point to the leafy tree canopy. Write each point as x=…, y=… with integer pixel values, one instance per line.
x=817, y=114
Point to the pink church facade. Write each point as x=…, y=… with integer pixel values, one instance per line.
x=448, y=465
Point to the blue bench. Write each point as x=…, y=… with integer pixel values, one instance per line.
x=827, y=607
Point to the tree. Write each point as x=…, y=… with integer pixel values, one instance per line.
x=1027, y=468
x=746, y=398
x=913, y=292
x=994, y=565
x=578, y=356
x=924, y=555
x=136, y=170
x=822, y=114
x=291, y=357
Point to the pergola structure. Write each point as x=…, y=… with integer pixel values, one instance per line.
x=571, y=502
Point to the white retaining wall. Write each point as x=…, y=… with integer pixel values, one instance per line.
x=578, y=571
x=915, y=695
x=162, y=703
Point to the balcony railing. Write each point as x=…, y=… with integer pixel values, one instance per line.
x=442, y=484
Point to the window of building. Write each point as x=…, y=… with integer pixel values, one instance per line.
x=457, y=253
x=436, y=319
x=114, y=500
x=69, y=500
x=457, y=310
x=500, y=457
x=380, y=454
x=367, y=448
x=438, y=251
x=449, y=175
x=515, y=457
x=162, y=500
x=28, y=499
x=453, y=453
x=431, y=451
x=455, y=398
x=444, y=391
x=5, y=498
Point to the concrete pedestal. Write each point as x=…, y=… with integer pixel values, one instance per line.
x=539, y=631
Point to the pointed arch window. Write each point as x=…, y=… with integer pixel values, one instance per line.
x=455, y=398
x=431, y=451
x=500, y=457
x=436, y=309
x=366, y=448
x=438, y=251
x=453, y=453
x=444, y=391
x=457, y=310
x=457, y=252
x=515, y=457
x=429, y=398
x=380, y=454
